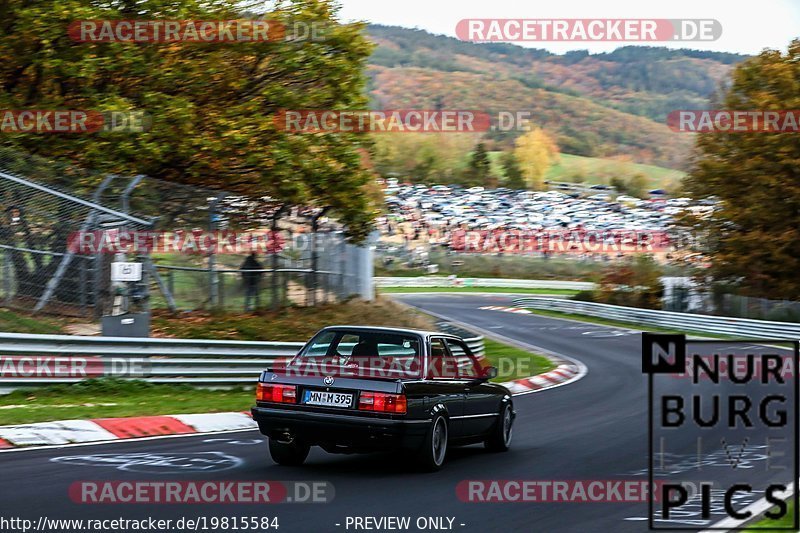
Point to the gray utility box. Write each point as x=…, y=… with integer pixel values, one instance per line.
x=127, y=325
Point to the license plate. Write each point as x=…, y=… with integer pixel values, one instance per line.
x=330, y=399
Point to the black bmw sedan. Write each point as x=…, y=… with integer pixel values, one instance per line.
x=354, y=389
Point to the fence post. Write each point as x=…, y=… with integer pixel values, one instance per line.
x=7, y=275
x=315, y=254
x=167, y=291
x=221, y=277
x=82, y=273
x=275, y=303
x=365, y=268
x=213, y=281
x=97, y=282
x=342, y=265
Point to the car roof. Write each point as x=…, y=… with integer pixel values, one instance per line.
x=411, y=331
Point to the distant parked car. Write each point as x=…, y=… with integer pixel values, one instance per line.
x=602, y=197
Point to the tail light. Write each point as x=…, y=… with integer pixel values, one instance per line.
x=275, y=392
x=382, y=403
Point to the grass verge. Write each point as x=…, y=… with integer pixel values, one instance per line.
x=765, y=524
x=515, y=363
x=12, y=322
x=289, y=324
x=112, y=397
x=503, y=290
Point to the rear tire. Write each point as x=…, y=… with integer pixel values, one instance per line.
x=292, y=453
x=499, y=439
x=434, y=450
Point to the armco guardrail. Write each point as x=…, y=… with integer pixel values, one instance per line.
x=738, y=327
x=196, y=362
x=445, y=281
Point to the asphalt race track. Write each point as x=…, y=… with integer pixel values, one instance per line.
x=593, y=429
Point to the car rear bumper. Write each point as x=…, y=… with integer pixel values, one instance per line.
x=335, y=429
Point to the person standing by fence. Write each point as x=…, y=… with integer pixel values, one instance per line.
x=251, y=280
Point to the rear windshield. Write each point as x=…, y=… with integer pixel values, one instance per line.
x=359, y=354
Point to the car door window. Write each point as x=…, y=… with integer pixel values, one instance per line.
x=319, y=347
x=468, y=366
x=441, y=365
x=346, y=344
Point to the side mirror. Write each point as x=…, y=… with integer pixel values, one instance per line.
x=488, y=373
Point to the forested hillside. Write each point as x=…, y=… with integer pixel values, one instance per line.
x=601, y=105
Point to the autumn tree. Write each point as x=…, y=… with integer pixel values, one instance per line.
x=513, y=173
x=756, y=178
x=212, y=105
x=535, y=151
x=636, y=185
x=633, y=282
x=422, y=157
x=479, y=166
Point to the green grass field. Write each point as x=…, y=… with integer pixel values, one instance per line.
x=501, y=290
x=600, y=171
x=596, y=170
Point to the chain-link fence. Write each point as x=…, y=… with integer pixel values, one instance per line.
x=40, y=271
x=683, y=294
x=293, y=276
x=757, y=308
x=199, y=248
